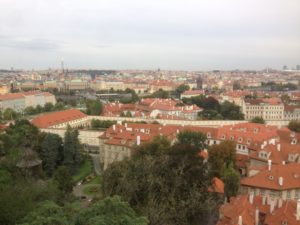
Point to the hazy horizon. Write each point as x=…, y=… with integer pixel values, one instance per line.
x=146, y=35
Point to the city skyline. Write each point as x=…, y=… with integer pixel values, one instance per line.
x=174, y=35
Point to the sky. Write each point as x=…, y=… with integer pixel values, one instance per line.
x=143, y=34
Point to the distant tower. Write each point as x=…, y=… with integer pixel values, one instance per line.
x=199, y=82
x=298, y=67
x=285, y=67
x=62, y=74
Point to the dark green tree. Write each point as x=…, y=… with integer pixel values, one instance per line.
x=64, y=183
x=29, y=110
x=46, y=213
x=221, y=155
x=231, y=179
x=170, y=185
x=72, y=156
x=294, y=125
x=48, y=107
x=112, y=211
x=196, y=139
x=93, y=107
x=51, y=153
x=9, y=114
x=258, y=120
x=181, y=88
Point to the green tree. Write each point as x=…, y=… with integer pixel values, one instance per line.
x=64, y=183
x=161, y=94
x=9, y=114
x=29, y=110
x=182, y=88
x=170, y=186
x=220, y=155
x=48, y=107
x=46, y=213
x=112, y=211
x=72, y=156
x=258, y=120
x=294, y=125
x=196, y=139
x=93, y=107
x=39, y=109
x=230, y=111
x=231, y=179
x=59, y=106
x=51, y=153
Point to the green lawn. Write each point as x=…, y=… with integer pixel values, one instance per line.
x=96, y=180
x=85, y=169
x=92, y=190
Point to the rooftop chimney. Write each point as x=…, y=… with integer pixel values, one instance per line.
x=114, y=127
x=138, y=140
x=125, y=124
x=251, y=196
x=298, y=210
x=269, y=164
x=283, y=162
x=256, y=216
x=280, y=181
x=240, y=222
x=278, y=147
x=279, y=202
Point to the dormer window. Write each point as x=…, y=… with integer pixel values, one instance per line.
x=271, y=177
x=231, y=138
x=248, y=141
x=208, y=135
x=240, y=139
x=294, y=141
x=284, y=222
x=223, y=137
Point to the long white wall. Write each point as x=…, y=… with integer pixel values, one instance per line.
x=206, y=123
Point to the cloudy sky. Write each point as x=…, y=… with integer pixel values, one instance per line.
x=150, y=34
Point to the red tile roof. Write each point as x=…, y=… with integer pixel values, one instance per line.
x=56, y=118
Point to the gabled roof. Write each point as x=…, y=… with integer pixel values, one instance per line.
x=289, y=173
x=56, y=118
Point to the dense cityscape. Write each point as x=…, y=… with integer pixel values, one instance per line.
x=127, y=112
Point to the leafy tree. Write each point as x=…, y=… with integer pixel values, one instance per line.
x=9, y=114
x=112, y=211
x=160, y=94
x=95, y=123
x=59, y=106
x=48, y=107
x=170, y=185
x=196, y=139
x=51, y=153
x=72, y=156
x=294, y=125
x=230, y=111
x=210, y=114
x=46, y=213
x=39, y=109
x=182, y=88
x=94, y=107
x=220, y=155
x=64, y=183
x=231, y=179
x=29, y=110
x=258, y=120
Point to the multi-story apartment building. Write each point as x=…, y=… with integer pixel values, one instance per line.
x=266, y=108
x=274, y=181
x=15, y=101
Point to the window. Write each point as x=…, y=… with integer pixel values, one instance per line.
x=288, y=195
